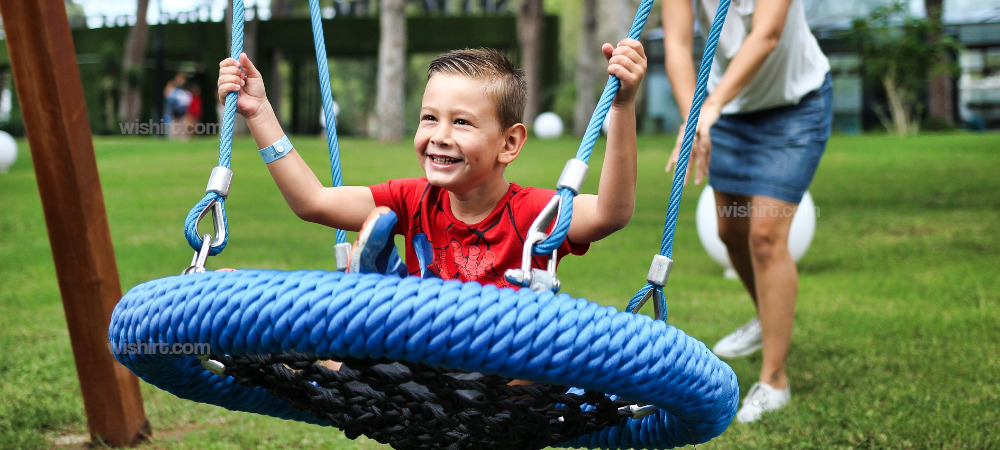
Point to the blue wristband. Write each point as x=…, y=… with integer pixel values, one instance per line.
x=276, y=150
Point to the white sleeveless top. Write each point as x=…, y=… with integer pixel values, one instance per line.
x=794, y=68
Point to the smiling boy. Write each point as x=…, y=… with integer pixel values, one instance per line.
x=463, y=220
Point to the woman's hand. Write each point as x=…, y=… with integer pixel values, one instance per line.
x=701, y=150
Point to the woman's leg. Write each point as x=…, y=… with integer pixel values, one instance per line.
x=734, y=231
x=776, y=282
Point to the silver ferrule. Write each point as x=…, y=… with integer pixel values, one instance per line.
x=573, y=174
x=659, y=270
x=219, y=181
x=341, y=255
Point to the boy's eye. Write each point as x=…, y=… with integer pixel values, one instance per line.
x=462, y=122
x=427, y=117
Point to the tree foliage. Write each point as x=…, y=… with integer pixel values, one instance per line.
x=903, y=52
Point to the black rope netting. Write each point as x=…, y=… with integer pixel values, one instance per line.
x=412, y=405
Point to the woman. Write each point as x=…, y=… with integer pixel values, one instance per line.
x=761, y=133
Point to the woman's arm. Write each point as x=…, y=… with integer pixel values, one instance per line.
x=678, y=44
x=678, y=23
x=768, y=23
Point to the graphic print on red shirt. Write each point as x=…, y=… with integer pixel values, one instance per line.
x=482, y=251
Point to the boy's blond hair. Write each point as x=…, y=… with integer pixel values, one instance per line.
x=504, y=82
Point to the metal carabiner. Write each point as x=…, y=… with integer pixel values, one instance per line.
x=218, y=219
x=200, y=256
x=536, y=279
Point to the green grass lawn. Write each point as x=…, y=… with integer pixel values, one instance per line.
x=897, y=338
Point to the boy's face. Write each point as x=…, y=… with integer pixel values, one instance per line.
x=459, y=141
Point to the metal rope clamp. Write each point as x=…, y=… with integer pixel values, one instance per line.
x=342, y=255
x=218, y=183
x=659, y=272
x=540, y=280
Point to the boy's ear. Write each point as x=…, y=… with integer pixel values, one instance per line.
x=513, y=142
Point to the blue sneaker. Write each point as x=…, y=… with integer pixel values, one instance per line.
x=425, y=255
x=375, y=249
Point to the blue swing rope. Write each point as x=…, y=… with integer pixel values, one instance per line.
x=670, y=224
x=324, y=84
x=229, y=119
x=561, y=227
x=225, y=153
x=521, y=334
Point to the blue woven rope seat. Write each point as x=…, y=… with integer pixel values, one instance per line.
x=542, y=337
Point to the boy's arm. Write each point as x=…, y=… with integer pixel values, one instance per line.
x=343, y=207
x=597, y=216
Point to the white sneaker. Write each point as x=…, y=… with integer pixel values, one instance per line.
x=742, y=342
x=762, y=398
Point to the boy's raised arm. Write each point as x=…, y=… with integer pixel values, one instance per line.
x=342, y=207
x=597, y=216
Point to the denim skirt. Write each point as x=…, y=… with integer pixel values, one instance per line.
x=773, y=152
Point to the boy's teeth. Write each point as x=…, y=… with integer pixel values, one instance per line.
x=443, y=159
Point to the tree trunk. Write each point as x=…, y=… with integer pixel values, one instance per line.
x=530, y=35
x=130, y=97
x=905, y=121
x=279, y=9
x=391, y=71
x=941, y=101
x=587, y=60
x=616, y=18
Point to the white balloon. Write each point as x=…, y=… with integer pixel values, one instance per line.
x=706, y=218
x=548, y=125
x=322, y=114
x=8, y=151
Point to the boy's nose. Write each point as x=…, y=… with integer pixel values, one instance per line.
x=441, y=136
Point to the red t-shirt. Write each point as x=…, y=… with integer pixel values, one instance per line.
x=482, y=251
x=194, y=108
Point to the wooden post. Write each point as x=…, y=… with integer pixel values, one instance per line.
x=55, y=117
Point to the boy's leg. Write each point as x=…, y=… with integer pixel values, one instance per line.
x=375, y=249
x=425, y=254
